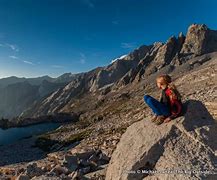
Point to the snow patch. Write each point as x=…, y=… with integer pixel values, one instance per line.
x=122, y=57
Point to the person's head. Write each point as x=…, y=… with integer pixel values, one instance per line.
x=163, y=81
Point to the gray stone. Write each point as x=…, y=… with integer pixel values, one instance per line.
x=23, y=177
x=187, y=143
x=43, y=177
x=75, y=175
x=199, y=40
x=58, y=170
x=84, y=170
x=71, y=162
x=33, y=170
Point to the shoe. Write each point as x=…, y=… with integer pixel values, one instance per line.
x=159, y=120
x=153, y=119
x=167, y=120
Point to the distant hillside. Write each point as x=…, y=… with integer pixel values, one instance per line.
x=13, y=79
x=17, y=94
x=61, y=94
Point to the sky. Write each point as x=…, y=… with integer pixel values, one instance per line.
x=52, y=37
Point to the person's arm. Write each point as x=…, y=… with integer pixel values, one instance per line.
x=178, y=110
x=161, y=98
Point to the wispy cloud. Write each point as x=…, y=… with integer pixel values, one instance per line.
x=128, y=45
x=82, y=61
x=13, y=47
x=22, y=61
x=82, y=55
x=29, y=62
x=13, y=57
x=83, y=58
x=88, y=3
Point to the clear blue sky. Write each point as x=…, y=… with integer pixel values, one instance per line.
x=50, y=37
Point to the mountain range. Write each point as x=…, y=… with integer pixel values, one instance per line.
x=17, y=94
x=41, y=96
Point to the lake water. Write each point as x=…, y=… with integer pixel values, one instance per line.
x=12, y=135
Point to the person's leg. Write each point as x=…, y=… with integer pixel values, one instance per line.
x=157, y=107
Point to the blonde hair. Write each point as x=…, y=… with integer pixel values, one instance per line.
x=166, y=80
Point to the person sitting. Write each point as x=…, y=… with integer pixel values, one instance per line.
x=170, y=105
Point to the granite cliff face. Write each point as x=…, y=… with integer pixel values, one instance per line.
x=137, y=65
x=199, y=40
x=116, y=70
x=88, y=82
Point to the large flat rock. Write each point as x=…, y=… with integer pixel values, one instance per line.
x=182, y=149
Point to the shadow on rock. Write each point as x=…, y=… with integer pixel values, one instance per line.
x=200, y=122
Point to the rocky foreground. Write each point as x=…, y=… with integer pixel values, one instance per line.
x=186, y=148
x=116, y=138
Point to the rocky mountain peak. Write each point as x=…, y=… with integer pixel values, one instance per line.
x=199, y=40
x=176, y=51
